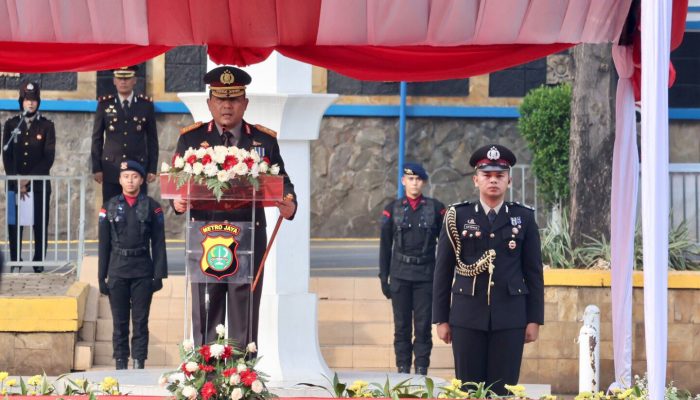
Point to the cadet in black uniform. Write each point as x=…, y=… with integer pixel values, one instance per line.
x=227, y=103
x=491, y=249
x=132, y=262
x=410, y=229
x=29, y=146
x=124, y=129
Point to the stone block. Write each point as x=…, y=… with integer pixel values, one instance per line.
x=567, y=309
x=172, y=356
x=160, y=308
x=158, y=331
x=35, y=341
x=82, y=359
x=550, y=312
x=7, y=344
x=529, y=371
x=335, y=333
x=373, y=357
x=92, y=304
x=104, y=331
x=337, y=356
x=679, y=332
x=176, y=309
x=87, y=331
x=156, y=355
x=176, y=332
x=606, y=350
x=368, y=289
x=335, y=310
x=531, y=350
x=679, y=351
x=103, y=361
x=551, y=331
x=441, y=357
x=682, y=305
x=103, y=348
x=373, y=333
x=183, y=78
x=177, y=284
x=556, y=349
x=372, y=311
x=682, y=374
x=103, y=310
x=638, y=312
x=336, y=289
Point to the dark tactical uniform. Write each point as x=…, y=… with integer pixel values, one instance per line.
x=407, y=257
x=262, y=140
x=32, y=153
x=132, y=270
x=121, y=134
x=488, y=278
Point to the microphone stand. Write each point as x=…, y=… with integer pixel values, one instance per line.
x=15, y=132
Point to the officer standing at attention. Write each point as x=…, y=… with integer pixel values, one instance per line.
x=132, y=262
x=124, y=129
x=227, y=103
x=28, y=148
x=410, y=229
x=489, y=289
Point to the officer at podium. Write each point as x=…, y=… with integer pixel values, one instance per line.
x=227, y=103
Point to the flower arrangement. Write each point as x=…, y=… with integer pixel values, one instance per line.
x=217, y=371
x=39, y=385
x=216, y=166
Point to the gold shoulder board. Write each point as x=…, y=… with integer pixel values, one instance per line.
x=267, y=130
x=191, y=127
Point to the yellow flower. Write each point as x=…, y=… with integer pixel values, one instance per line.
x=79, y=382
x=3, y=376
x=34, y=380
x=584, y=395
x=108, y=384
x=11, y=382
x=3, y=392
x=548, y=397
x=358, y=387
x=627, y=393
x=455, y=383
x=517, y=390
x=30, y=393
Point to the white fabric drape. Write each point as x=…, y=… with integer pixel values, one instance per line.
x=623, y=213
x=656, y=38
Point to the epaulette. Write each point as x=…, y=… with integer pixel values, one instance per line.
x=191, y=127
x=147, y=98
x=267, y=130
x=464, y=203
x=516, y=203
x=105, y=98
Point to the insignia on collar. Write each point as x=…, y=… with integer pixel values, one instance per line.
x=204, y=144
x=515, y=221
x=256, y=143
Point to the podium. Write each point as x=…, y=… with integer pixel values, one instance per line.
x=221, y=251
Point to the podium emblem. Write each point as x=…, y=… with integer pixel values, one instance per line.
x=219, y=258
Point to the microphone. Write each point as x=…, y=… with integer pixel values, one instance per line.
x=15, y=131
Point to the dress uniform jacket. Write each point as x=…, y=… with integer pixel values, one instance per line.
x=264, y=141
x=514, y=296
x=119, y=135
x=34, y=151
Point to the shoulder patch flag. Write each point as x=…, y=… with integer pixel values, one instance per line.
x=103, y=213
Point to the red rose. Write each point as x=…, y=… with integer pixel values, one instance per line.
x=249, y=162
x=191, y=159
x=204, y=351
x=230, y=162
x=206, y=159
x=228, y=352
x=208, y=390
x=183, y=369
x=206, y=368
x=228, y=372
x=266, y=159
x=248, y=377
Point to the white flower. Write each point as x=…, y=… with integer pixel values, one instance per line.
x=255, y=156
x=257, y=386
x=231, y=151
x=220, y=153
x=164, y=167
x=187, y=345
x=191, y=366
x=240, y=169
x=197, y=168
x=241, y=367
x=211, y=170
x=179, y=162
x=188, y=153
x=222, y=176
x=216, y=350
x=235, y=379
x=187, y=168
x=236, y=394
x=221, y=330
x=255, y=170
x=275, y=169
x=189, y=392
x=264, y=167
x=252, y=348
x=200, y=152
x=163, y=381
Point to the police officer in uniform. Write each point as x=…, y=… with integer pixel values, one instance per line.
x=410, y=229
x=124, y=129
x=227, y=103
x=488, y=288
x=132, y=262
x=29, y=145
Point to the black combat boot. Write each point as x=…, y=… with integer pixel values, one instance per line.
x=404, y=369
x=139, y=364
x=421, y=370
x=122, y=363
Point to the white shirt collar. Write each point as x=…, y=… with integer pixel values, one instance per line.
x=130, y=98
x=487, y=208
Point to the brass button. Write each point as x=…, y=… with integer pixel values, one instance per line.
x=520, y=291
x=125, y=133
x=460, y=290
x=123, y=155
x=24, y=163
x=492, y=235
x=26, y=143
x=124, y=144
x=26, y=154
x=493, y=283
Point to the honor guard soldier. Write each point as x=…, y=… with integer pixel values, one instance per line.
x=227, y=103
x=124, y=129
x=488, y=289
x=132, y=262
x=410, y=228
x=28, y=148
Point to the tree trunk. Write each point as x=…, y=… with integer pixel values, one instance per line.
x=592, y=140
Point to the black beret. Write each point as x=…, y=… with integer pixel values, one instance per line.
x=492, y=157
x=412, y=168
x=131, y=165
x=227, y=81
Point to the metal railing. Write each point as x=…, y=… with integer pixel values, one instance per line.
x=65, y=228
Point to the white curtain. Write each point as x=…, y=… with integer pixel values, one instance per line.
x=656, y=37
x=623, y=214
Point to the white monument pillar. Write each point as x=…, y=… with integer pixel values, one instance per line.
x=281, y=99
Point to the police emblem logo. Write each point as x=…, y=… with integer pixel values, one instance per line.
x=493, y=153
x=124, y=165
x=408, y=171
x=219, y=258
x=226, y=78
x=30, y=86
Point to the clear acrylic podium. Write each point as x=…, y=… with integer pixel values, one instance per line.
x=221, y=252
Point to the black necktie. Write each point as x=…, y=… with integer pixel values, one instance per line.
x=228, y=138
x=125, y=106
x=492, y=215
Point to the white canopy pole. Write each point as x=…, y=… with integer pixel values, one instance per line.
x=656, y=38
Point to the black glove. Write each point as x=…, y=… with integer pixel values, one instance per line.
x=385, y=288
x=157, y=285
x=104, y=289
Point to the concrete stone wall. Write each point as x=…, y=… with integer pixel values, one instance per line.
x=33, y=353
x=353, y=165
